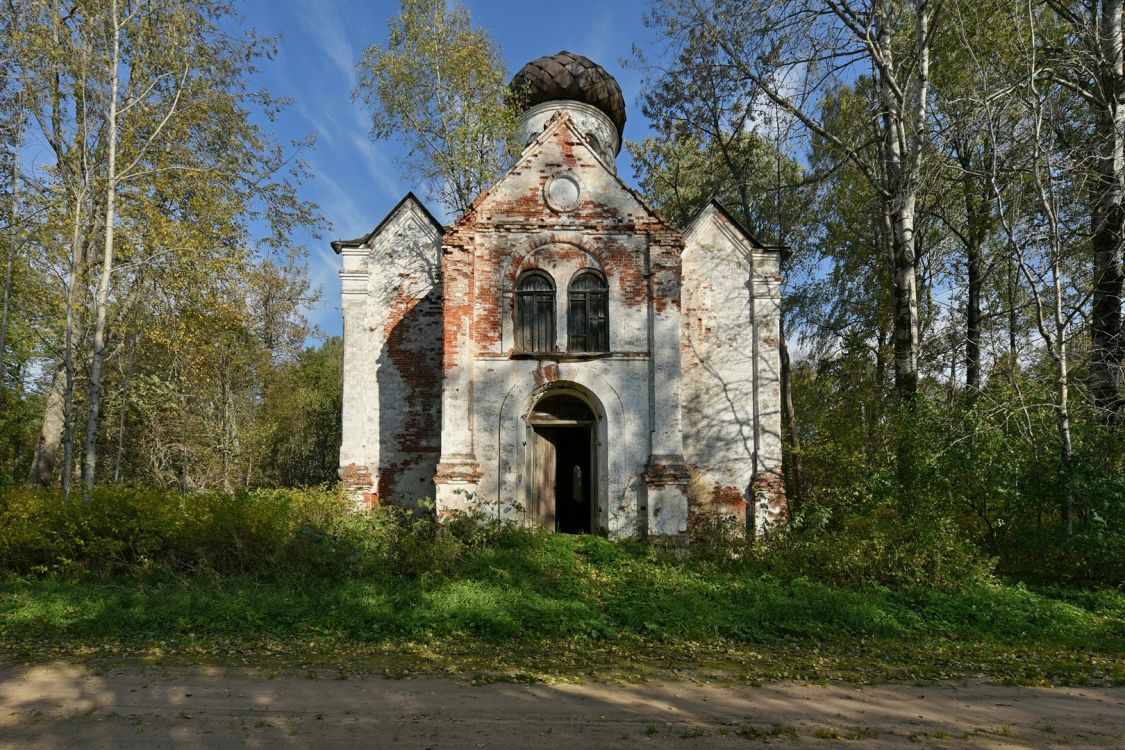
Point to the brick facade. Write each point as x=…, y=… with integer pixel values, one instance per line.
x=438, y=401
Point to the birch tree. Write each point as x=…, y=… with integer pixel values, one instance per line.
x=51, y=57
x=126, y=26
x=792, y=52
x=440, y=85
x=12, y=118
x=159, y=175
x=1088, y=59
x=1035, y=180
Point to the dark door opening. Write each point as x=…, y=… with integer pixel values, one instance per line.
x=563, y=478
x=563, y=465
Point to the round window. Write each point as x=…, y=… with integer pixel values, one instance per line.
x=563, y=193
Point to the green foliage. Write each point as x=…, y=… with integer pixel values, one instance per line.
x=140, y=563
x=983, y=487
x=207, y=287
x=137, y=529
x=300, y=417
x=440, y=85
x=881, y=545
x=303, y=573
x=18, y=424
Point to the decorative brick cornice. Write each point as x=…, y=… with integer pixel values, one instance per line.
x=667, y=471
x=458, y=472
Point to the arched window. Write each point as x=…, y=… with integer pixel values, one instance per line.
x=588, y=314
x=535, y=312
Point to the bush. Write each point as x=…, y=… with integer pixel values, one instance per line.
x=136, y=528
x=294, y=568
x=278, y=532
x=881, y=546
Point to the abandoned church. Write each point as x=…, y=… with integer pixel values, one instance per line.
x=560, y=354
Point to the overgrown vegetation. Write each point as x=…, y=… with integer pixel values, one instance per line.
x=953, y=282
x=290, y=571
x=981, y=487
x=953, y=420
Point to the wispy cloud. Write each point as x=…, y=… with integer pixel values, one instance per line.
x=325, y=125
x=324, y=23
x=596, y=42
x=339, y=206
x=324, y=274
x=379, y=167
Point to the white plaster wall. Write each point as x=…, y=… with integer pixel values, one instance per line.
x=731, y=402
x=616, y=388
x=359, y=442
x=598, y=129
x=635, y=388
x=397, y=270
x=767, y=309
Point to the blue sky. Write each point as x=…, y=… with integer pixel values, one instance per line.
x=356, y=181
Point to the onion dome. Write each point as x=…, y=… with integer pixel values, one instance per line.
x=567, y=76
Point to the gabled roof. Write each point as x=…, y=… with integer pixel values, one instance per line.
x=738, y=225
x=339, y=245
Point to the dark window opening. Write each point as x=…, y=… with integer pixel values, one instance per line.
x=535, y=313
x=588, y=314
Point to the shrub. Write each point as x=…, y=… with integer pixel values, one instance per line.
x=313, y=532
x=134, y=528
x=880, y=546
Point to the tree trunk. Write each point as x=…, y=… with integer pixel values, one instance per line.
x=902, y=156
x=976, y=221
x=906, y=301
x=77, y=267
x=13, y=245
x=124, y=408
x=1108, y=216
x=51, y=433
x=102, y=302
x=1062, y=395
x=972, y=314
x=795, y=493
x=225, y=427
x=904, y=121
x=1013, y=319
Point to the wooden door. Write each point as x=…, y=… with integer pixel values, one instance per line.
x=546, y=456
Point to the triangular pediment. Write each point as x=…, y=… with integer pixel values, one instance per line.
x=560, y=179
x=409, y=210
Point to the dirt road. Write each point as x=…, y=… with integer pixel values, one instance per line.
x=65, y=706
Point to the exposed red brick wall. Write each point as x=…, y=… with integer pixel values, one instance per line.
x=494, y=234
x=413, y=349
x=667, y=475
x=457, y=300
x=354, y=475
x=722, y=504
x=546, y=373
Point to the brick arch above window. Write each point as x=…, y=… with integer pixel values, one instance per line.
x=561, y=259
x=554, y=257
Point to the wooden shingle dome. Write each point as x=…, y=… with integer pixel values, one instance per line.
x=567, y=76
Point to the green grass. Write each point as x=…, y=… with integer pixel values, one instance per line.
x=296, y=579
x=557, y=604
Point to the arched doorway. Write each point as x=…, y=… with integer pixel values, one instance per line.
x=564, y=460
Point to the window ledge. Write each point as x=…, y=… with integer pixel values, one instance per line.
x=561, y=356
